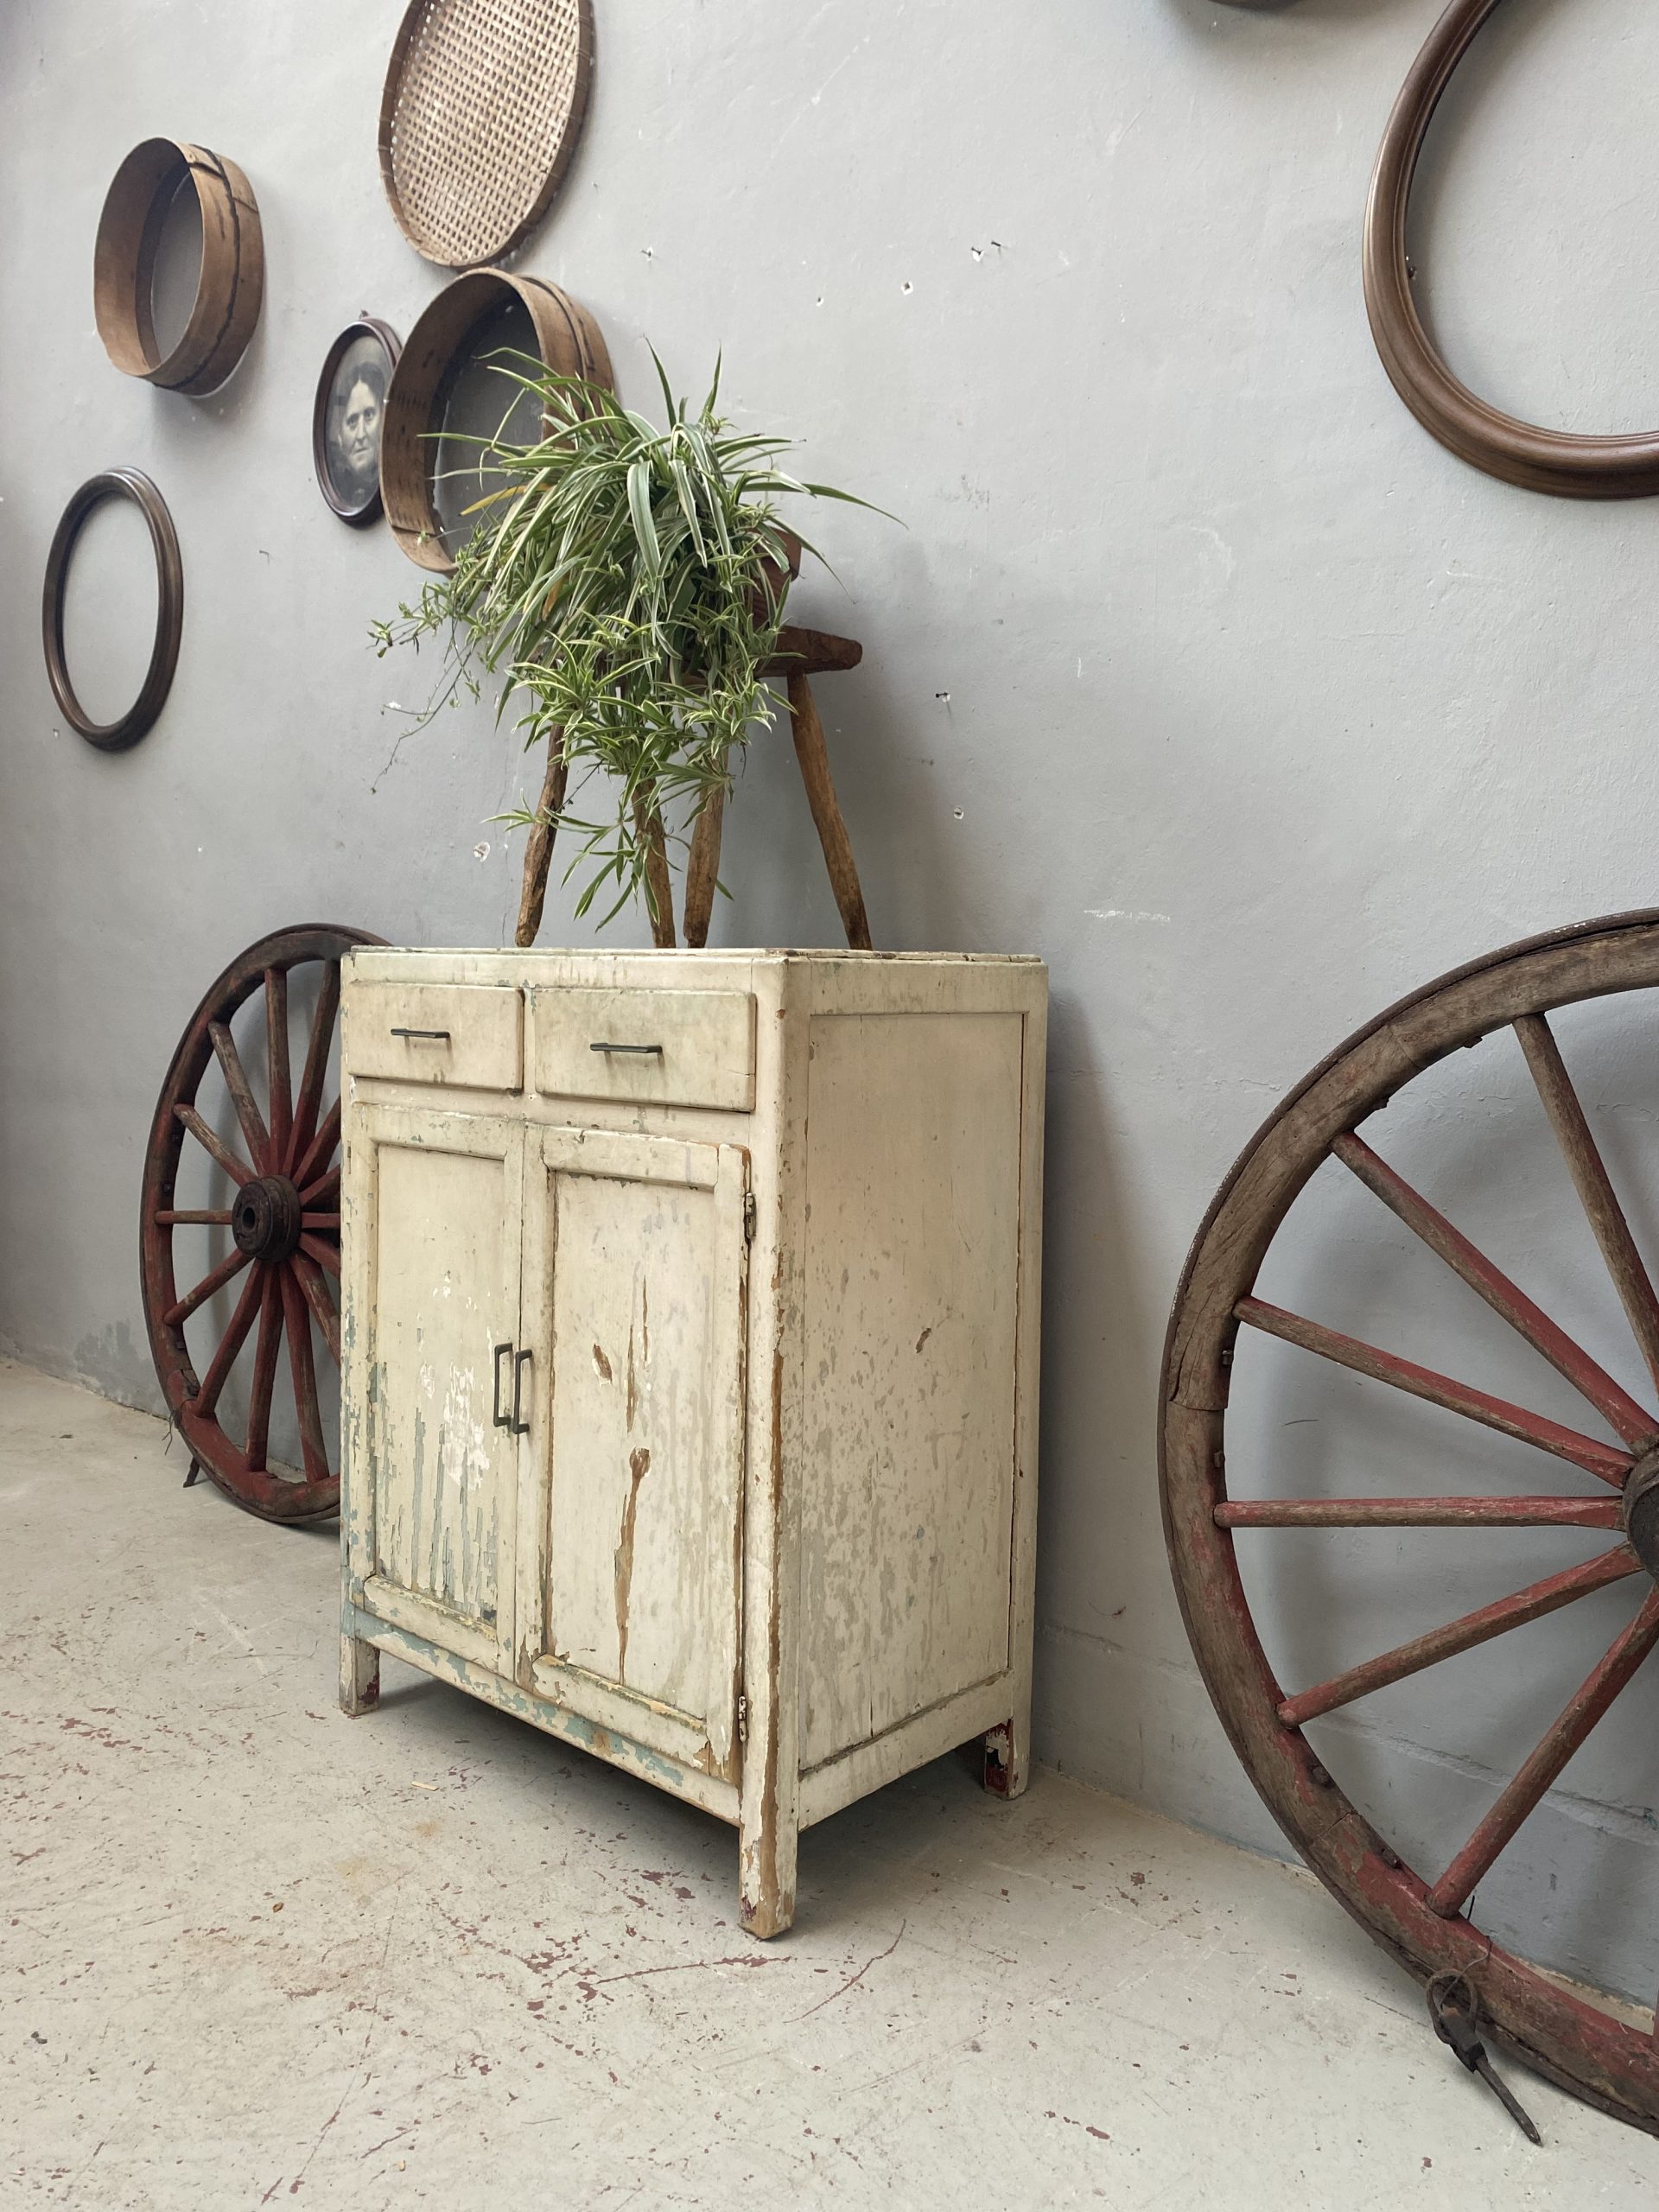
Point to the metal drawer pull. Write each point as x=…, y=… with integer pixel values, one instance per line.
x=440, y=1033
x=656, y=1049
x=520, y=1361
x=502, y=1420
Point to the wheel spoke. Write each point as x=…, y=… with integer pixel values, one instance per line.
x=215, y=1279
x=230, y=1344
x=316, y=1068
x=1508, y=1420
x=326, y=1255
x=258, y=1137
x=322, y=1190
x=238, y=1170
x=317, y=1221
x=1480, y=1627
x=1595, y=1189
x=281, y=1093
x=265, y=1370
x=317, y=1298
x=313, y=1449
x=1636, y=1427
x=212, y=1217
x=1417, y=1512
x=1584, y=1709
x=321, y=1147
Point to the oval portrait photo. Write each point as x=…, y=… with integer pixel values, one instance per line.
x=351, y=406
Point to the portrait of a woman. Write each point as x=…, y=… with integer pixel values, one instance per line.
x=350, y=413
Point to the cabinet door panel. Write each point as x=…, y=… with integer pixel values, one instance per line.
x=440, y=1233
x=633, y=1484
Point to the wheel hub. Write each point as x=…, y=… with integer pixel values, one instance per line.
x=265, y=1220
x=1642, y=1512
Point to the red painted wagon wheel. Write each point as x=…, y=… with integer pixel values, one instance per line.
x=1421, y=1916
x=284, y=1224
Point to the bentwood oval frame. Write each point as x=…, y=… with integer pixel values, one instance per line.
x=228, y=291
x=128, y=729
x=568, y=338
x=1568, y=464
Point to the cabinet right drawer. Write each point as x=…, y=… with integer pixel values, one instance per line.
x=669, y=1048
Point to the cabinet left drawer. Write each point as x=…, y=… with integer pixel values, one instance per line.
x=468, y=1036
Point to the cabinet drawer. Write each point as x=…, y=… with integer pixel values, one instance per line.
x=673, y=1048
x=467, y=1035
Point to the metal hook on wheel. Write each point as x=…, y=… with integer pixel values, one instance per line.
x=1454, y=2014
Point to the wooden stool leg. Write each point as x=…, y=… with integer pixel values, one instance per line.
x=538, y=850
x=648, y=826
x=702, y=869
x=814, y=761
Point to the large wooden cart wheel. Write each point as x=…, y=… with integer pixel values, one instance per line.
x=1423, y=1915
x=281, y=1224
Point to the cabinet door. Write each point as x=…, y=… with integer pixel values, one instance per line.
x=630, y=1508
x=436, y=1201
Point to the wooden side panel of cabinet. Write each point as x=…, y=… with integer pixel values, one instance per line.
x=631, y=1506
x=435, y=1202
x=912, y=1314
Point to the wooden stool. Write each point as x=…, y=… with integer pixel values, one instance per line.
x=800, y=655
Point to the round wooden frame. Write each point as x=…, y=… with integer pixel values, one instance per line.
x=117, y=483
x=1426, y=1924
x=232, y=283
x=569, y=341
x=366, y=326
x=1568, y=464
x=433, y=78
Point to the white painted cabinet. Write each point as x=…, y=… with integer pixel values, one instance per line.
x=691, y=1339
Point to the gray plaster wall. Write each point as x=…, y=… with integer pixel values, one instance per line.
x=1196, y=668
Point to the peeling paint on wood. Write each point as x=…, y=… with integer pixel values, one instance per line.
x=768, y=1599
x=639, y=1468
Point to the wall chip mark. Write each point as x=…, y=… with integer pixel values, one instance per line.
x=601, y=1365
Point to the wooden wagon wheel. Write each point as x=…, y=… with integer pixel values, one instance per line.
x=1422, y=1918
x=284, y=1225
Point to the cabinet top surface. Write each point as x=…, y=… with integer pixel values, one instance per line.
x=372, y=958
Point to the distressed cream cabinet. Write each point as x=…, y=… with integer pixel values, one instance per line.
x=690, y=1333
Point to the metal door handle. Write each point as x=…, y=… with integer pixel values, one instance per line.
x=502, y=1420
x=656, y=1049
x=441, y=1036
x=520, y=1361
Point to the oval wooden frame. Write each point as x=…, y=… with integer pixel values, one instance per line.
x=569, y=341
x=1568, y=464
x=113, y=484
x=229, y=291
x=426, y=247
x=367, y=326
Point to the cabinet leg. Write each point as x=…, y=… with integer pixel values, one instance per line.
x=767, y=1869
x=1007, y=1759
x=359, y=1675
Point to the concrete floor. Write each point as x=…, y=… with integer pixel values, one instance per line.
x=251, y=1952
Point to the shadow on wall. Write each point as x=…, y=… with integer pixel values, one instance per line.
x=1319, y=11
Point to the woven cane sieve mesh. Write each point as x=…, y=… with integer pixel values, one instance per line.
x=482, y=105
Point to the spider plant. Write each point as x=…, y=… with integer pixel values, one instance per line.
x=624, y=586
